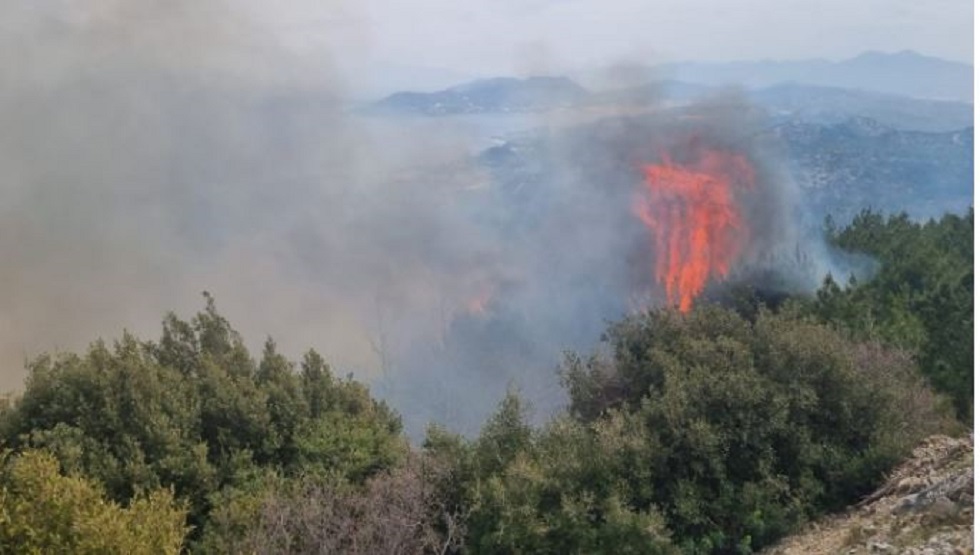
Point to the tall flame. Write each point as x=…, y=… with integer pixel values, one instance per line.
x=694, y=220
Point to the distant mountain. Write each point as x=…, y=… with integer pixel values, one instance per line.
x=831, y=105
x=784, y=101
x=904, y=73
x=368, y=83
x=485, y=96
x=809, y=103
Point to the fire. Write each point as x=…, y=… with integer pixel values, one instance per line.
x=694, y=220
x=477, y=304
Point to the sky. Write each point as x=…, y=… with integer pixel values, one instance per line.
x=522, y=36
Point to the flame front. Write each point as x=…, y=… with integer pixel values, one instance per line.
x=694, y=220
x=477, y=305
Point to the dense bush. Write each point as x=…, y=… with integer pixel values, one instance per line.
x=921, y=297
x=43, y=511
x=195, y=412
x=705, y=433
x=396, y=511
x=518, y=490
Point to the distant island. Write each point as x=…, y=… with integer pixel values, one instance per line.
x=870, y=79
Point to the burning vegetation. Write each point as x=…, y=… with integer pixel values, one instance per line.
x=696, y=225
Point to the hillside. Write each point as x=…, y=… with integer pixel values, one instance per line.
x=860, y=163
x=925, y=507
x=823, y=105
x=498, y=95
x=786, y=100
x=830, y=105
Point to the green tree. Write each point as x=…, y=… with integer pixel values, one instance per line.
x=42, y=511
x=747, y=428
x=195, y=412
x=920, y=298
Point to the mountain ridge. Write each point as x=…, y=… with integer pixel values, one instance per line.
x=906, y=73
x=491, y=95
x=784, y=100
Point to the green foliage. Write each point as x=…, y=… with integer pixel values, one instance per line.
x=741, y=430
x=42, y=511
x=237, y=510
x=710, y=432
x=505, y=435
x=399, y=510
x=196, y=413
x=564, y=493
x=921, y=297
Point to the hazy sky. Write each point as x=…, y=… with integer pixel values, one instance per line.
x=521, y=35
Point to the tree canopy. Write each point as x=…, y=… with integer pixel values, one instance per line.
x=920, y=298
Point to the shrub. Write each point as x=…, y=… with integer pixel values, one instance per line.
x=195, y=412
x=396, y=511
x=750, y=427
x=42, y=511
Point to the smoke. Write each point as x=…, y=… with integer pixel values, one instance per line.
x=561, y=211
x=155, y=149
x=785, y=239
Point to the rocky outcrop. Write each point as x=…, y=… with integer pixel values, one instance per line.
x=924, y=508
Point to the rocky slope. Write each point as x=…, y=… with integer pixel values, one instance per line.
x=924, y=508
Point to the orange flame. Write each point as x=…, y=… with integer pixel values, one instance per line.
x=694, y=220
x=477, y=305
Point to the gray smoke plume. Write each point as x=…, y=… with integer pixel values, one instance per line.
x=155, y=149
x=560, y=209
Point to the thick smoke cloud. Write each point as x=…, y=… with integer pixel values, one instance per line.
x=560, y=210
x=155, y=149
x=152, y=150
